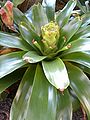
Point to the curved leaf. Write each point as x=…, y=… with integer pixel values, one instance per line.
x=84, y=32
x=83, y=68
x=43, y=101
x=85, y=19
x=39, y=17
x=10, y=79
x=64, y=107
x=20, y=17
x=33, y=57
x=17, y=2
x=81, y=85
x=56, y=73
x=70, y=28
x=20, y=104
x=11, y=62
x=28, y=14
x=79, y=57
x=28, y=34
x=81, y=7
x=49, y=6
x=13, y=42
x=63, y=16
x=80, y=45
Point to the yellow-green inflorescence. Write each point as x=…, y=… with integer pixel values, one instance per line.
x=50, y=34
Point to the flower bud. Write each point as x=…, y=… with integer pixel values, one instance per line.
x=50, y=35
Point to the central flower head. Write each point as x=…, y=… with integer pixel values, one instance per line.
x=50, y=35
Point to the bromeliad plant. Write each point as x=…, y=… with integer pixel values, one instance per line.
x=55, y=50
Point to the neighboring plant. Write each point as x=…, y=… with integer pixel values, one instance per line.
x=55, y=50
x=84, y=5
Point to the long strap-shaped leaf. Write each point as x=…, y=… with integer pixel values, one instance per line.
x=79, y=57
x=79, y=45
x=64, y=107
x=10, y=79
x=11, y=62
x=13, y=42
x=86, y=19
x=70, y=29
x=33, y=57
x=20, y=17
x=84, y=32
x=43, y=101
x=17, y=2
x=81, y=85
x=56, y=73
x=39, y=17
x=28, y=34
x=20, y=104
x=64, y=15
x=49, y=6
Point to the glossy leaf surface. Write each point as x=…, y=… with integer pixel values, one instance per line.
x=20, y=104
x=28, y=34
x=10, y=79
x=79, y=45
x=56, y=73
x=49, y=6
x=64, y=15
x=17, y=2
x=79, y=57
x=86, y=19
x=20, y=17
x=39, y=17
x=64, y=107
x=13, y=42
x=83, y=32
x=43, y=101
x=11, y=62
x=70, y=28
x=33, y=57
x=81, y=85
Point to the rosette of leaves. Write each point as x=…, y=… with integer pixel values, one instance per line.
x=55, y=50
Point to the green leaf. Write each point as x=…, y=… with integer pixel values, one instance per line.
x=56, y=73
x=84, y=32
x=73, y=26
x=78, y=57
x=85, y=19
x=43, y=100
x=75, y=103
x=20, y=104
x=11, y=62
x=63, y=16
x=28, y=34
x=13, y=42
x=39, y=17
x=10, y=79
x=33, y=57
x=20, y=17
x=17, y=2
x=84, y=68
x=64, y=106
x=49, y=6
x=81, y=85
x=28, y=14
x=81, y=7
x=80, y=45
